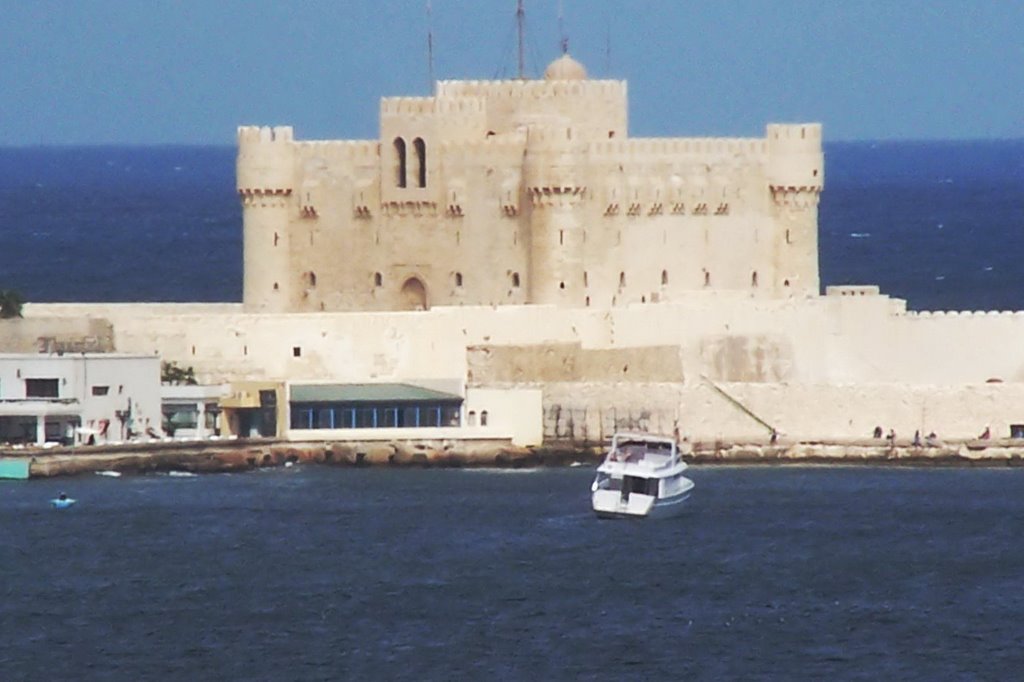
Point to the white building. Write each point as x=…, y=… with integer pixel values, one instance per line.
x=191, y=412
x=78, y=398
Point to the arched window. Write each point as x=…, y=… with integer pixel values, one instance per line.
x=311, y=279
x=421, y=160
x=400, y=162
x=707, y=278
x=458, y=279
x=515, y=280
x=622, y=279
x=753, y=279
x=585, y=278
x=483, y=418
x=785, y=283
x=664, y=277
x=378, y=279
x=471, y=418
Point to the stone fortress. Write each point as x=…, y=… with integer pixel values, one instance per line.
x=523, y=192
x=509, y=236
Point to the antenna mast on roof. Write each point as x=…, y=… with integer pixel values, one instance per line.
x=608, y=50
x=563, y=39
x=520, y=18
x=430, y=50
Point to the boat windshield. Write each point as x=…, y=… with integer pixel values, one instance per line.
x=653, y=453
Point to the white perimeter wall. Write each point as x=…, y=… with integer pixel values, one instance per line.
x=834, y=365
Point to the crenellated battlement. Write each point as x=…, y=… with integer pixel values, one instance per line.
x=796, y=162
x=1010, y=315
x=682, y=146
x=801, y=134
x=530, y=89
x=403, y=106
x=265, y=134
x=852, y=290
x=265, y=160
x=391, y=106
x=357, y=152
x=461, y=105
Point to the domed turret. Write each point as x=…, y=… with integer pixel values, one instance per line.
x=565, y=68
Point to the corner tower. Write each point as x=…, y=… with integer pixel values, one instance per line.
x=265, y=176
x=554, y=176
x=796, y=176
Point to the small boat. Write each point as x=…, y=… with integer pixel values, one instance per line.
x=62, y=502
x=641, y=476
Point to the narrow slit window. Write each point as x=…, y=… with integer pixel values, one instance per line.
x=400, y=171
x=420, y=148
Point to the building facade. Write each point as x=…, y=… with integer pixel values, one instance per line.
x=86, y=398
x=524, y=192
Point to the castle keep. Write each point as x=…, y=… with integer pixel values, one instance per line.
x=524, y=192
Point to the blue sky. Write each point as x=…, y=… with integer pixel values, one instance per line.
x=190, y=71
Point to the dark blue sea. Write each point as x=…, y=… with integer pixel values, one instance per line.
x=940, y=224
x=320, y=573
x=332, y=573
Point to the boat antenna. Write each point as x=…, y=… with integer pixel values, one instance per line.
x=520, y=20
x=430, y=50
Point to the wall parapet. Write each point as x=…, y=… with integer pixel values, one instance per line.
x=853, y=290
x=682, y=145
x=257, y=134
x=528, y=89
x=935, y=314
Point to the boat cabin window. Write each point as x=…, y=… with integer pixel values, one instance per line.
x=642, y=486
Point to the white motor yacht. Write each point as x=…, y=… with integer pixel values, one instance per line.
x=642, y=475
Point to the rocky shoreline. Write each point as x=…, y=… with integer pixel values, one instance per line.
x=243, y=455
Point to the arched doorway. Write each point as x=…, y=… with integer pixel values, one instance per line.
x=414, y=295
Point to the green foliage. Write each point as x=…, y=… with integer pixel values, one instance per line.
x=171, y=373
x=10, y=303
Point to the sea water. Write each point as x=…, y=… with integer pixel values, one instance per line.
x=319, y=573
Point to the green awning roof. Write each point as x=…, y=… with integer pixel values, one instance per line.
x=368, y=393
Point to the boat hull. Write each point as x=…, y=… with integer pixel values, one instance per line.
x=663, y=508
